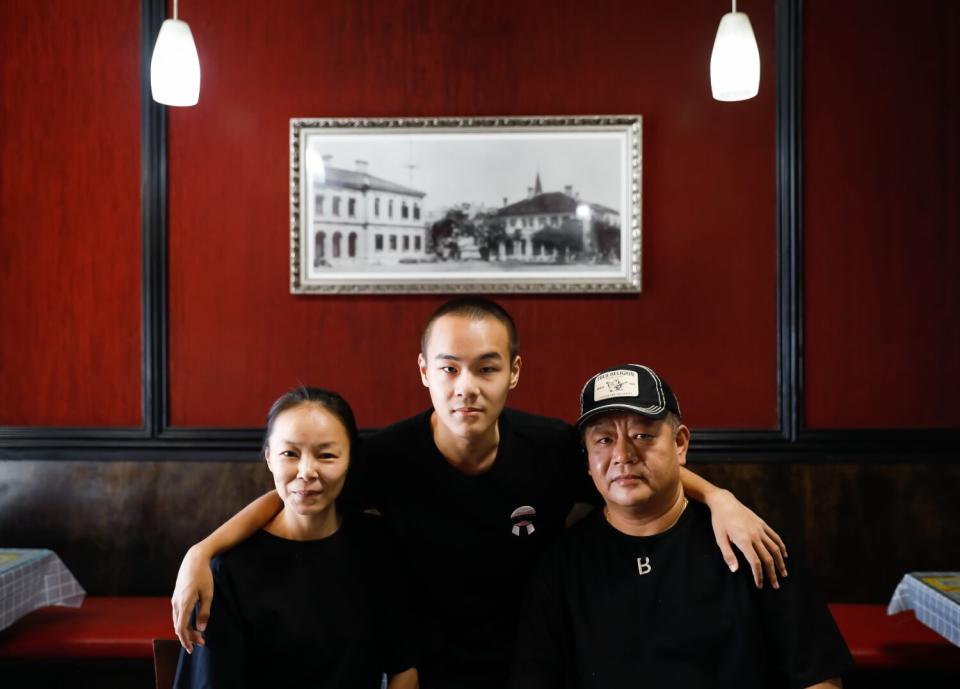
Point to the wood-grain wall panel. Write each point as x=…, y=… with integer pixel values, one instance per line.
x=69, y=214
x=706, y=318
x=882, y=223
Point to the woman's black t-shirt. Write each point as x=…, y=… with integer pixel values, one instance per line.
x=329, y=613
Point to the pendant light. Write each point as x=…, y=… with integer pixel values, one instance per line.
x=735, y=62
x=175, y=67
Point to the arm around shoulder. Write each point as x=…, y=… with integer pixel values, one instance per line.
x=404, y=680
x=194, y=580
x=219, y=663
x=735, y=523
x=834, y=683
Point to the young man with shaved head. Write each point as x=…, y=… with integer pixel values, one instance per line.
x=474, y=491
x=636, y=595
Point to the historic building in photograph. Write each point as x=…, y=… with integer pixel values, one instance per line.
x=551, y=210
x=360, y=217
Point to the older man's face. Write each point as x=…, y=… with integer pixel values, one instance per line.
x=635, y=461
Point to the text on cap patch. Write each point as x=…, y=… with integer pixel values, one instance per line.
x=619, y=383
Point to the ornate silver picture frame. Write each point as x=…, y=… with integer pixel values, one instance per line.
x=518, y=204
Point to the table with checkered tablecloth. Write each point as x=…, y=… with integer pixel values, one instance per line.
x=31, y=579
x=934, y=598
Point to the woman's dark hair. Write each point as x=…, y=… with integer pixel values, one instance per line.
x=327, y=399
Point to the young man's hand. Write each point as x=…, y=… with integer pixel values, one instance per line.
x=404, y=680
x=194, y=583
x=734, y=522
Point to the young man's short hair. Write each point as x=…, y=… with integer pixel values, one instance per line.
x=474, y=308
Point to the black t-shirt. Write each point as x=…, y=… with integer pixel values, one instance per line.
x=472, y=552
x=328, y=613
x=610, y=610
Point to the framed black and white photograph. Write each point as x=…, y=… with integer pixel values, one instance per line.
x=533, y=204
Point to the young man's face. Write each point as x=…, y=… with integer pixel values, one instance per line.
x=468, y=370
x=635, y=461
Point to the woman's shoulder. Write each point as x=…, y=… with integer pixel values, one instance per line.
x=245, y=552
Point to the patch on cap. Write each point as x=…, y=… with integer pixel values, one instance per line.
x=619, y=383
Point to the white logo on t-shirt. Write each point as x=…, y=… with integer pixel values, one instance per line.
x=643, y=564
x=522, y=520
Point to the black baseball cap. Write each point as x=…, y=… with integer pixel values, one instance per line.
x=628, y=387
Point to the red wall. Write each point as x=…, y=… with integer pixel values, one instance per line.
x=69, y=213
x=882, y=226
x=881, y=164
x=706, y=317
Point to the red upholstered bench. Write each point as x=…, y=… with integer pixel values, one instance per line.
x=879, y=641
x=124, y=627
x=104, y=627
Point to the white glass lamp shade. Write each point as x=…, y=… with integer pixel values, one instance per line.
x=175, y=67
x=735, y=62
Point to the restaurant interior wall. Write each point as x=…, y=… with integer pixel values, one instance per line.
x=880, y=230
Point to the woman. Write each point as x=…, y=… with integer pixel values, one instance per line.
x=312, y=599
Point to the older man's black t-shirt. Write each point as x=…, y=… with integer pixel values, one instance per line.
x=606, y=610
x=473, y=540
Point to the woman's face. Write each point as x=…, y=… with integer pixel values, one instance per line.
x=308, y=453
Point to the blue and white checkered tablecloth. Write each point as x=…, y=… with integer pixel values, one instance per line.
x=934, y=598
x=31, y=579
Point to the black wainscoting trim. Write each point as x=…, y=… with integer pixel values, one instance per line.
x=125, y=451
x=885, y=439
x=719, y=441
x=790, y=442
x=15, y=435
x=789, y=49
x=933, y=446
x=798, y=454
x=153, y=201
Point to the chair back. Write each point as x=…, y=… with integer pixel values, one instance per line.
x=166, y=653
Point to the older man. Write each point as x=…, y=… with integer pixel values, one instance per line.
x=636, y=595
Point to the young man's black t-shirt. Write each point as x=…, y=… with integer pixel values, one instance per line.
x=325, y=613
x=473, y=540
x=608, y=610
